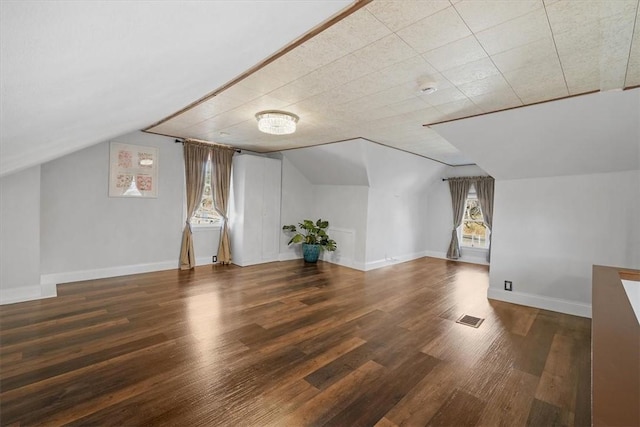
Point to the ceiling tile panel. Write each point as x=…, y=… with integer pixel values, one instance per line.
x=435, y=31
x=523, y=56
x=612, y=36
x=409, y=105
x=295, y=91
x=494, y=101
x=358, y=88
x=516, y=32
x=411, y=70
x=494, y=83
x=476, y=70
x=217, y=123
x=633, y=67
x=240, y=94
x=287, y=68
x=319, y=51
x=374, y=114
x=356, y=31
x=457, y=109
x=385, y=52
x=344, y=70
x=572, y=15
x=399, y=14
x=536, y=79
x=261, y=82
x=481, y=14
x=455, y=54
x=394, y=94
x=265, y=102
x=613, y=76
x=444, y=96
x=596, y=55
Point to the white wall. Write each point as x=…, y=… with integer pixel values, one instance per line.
x=20, y=237
x=86, y=234
x=580, y=135
x=345, y=207
x=439, y=214
x=297, y=203
x=548, y=232
x=396, y=225
x=377, y=220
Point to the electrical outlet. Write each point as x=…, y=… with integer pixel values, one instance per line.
x=214, y=258
x=508, y=285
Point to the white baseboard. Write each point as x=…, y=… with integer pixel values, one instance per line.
x=101, y=273
x=203, y=260
x=343, y=261
x=469, y=259
x=348, y=262
x=27, y=293
x=372, y=265
x=540, y=301
x=288, y=256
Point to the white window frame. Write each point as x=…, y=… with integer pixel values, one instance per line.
x=473, y=195
x=212, y=225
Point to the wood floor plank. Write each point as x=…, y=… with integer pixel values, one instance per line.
x=557, y=384
x=461, y=409
x=511, y=401
x=546, y=414
x=374, y=402
x=420, y=404
x=291, y=344
x=335, y=398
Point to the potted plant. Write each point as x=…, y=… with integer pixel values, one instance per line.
x=313, y=236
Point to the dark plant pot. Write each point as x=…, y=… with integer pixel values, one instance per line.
x=310, y=252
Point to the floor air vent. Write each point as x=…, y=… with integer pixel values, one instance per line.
x=474, y=322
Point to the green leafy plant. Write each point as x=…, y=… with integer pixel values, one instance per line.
x=312, y=234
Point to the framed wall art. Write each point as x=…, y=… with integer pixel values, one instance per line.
x=133, y=171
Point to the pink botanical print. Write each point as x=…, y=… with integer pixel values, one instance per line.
x=145, y=160
x=124, y=181
x=124, y=159
x=143, y=182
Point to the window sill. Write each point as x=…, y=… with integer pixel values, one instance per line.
x=205, y=227
x=474, y=249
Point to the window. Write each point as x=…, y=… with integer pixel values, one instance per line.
x=474, y=233
x=206, y=213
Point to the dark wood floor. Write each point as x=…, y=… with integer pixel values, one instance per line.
x=291, y=344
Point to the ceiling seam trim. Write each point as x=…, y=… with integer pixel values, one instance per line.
x=555, y=47
x=635, y=23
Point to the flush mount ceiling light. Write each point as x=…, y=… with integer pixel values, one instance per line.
x=277, y=122
x=428, y=87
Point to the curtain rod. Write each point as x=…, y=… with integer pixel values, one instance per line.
x=212, y=144
x=470, y=178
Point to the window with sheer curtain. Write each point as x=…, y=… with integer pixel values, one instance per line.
x=206, y=214
x=473, y=233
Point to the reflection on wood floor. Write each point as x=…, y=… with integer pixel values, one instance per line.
x=292, y=344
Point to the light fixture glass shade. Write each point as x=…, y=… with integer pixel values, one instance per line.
x=277, y=122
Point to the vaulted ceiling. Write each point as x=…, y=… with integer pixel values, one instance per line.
x=361, y=77
x=79, y=73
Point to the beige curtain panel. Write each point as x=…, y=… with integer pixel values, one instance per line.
x=459, y=190
x=484, y=189
x=195, y=166
x=221, y=159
